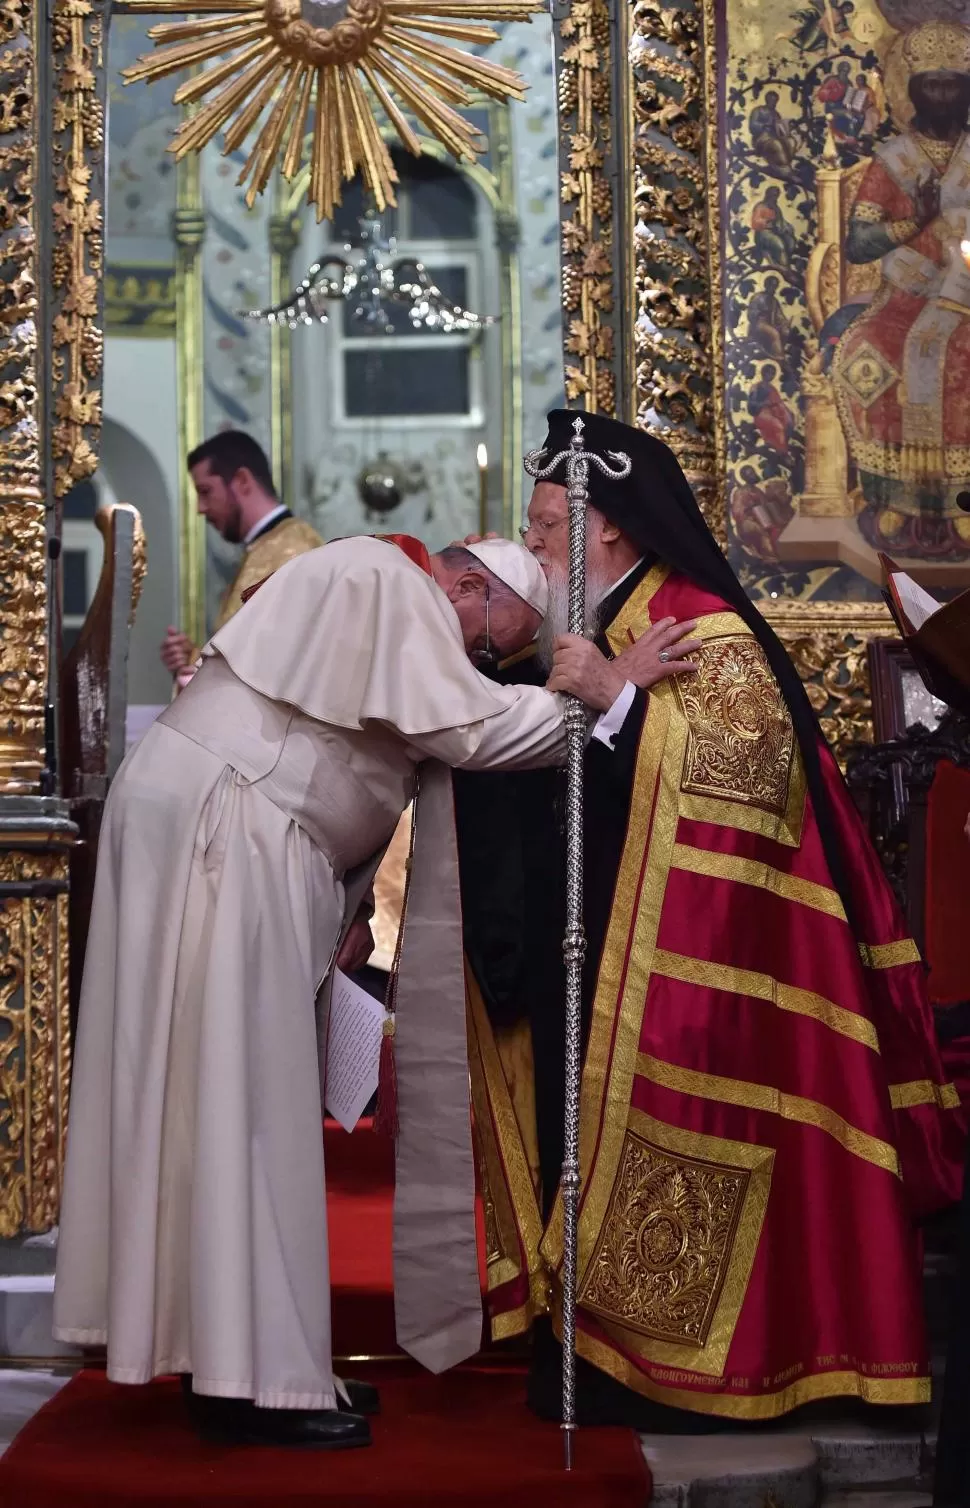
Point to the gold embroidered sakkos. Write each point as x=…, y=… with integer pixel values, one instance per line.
x=740, y=743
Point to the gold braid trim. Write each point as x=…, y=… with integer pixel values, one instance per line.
x=889, y=955
x=787, y=997
x=766, y=1098
x=923, y=1092
x=724, y=866
x=899, y=1389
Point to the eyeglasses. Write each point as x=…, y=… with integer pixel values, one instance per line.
x=487, y=654
x=543, y=527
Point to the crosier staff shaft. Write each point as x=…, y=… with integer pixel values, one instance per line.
x=540, y=466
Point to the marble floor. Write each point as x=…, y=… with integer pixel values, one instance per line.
x=22, y=1393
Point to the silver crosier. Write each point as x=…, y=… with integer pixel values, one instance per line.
x=540, y=465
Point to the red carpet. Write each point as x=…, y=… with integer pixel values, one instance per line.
x=465, y=1439
x=360, y=1182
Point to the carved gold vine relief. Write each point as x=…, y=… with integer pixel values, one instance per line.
x=78, y=256
x=672, y=227
x=34, y=1046
x=23, y=651
x=831, y=660
x=587, y=216
x=19, y=456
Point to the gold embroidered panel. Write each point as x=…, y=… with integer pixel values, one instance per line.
x=740, y=744
x=675, y=1250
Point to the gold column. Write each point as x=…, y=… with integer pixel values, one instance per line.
x=189, y=230
x=284, y=237
x=23, y=552
x=56, y=356
x=585, y=38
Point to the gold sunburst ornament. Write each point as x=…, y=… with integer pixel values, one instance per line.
x=318, y=68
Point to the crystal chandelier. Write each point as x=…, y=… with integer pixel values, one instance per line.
x=374, y=282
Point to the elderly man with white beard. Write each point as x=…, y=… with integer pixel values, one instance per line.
x=757, y=1041
x=510, y=827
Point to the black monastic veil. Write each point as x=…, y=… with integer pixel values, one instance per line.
x=657, y=510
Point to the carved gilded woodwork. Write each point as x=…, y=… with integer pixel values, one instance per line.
x=49, y=415
x=34, y=1026
x=589, y=264
x=77, y=227
x=23, y=588
x=827, y=642
x=674, y=228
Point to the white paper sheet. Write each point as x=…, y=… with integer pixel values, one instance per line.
x=354, y=1028
x=916, y=603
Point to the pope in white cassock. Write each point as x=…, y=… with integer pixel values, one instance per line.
x=239, y=841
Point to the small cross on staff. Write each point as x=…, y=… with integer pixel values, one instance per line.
x=539, y=465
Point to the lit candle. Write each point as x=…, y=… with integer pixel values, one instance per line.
x=482, y=490
x=965, y=251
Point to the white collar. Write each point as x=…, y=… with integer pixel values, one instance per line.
x=264, y=523
x=619, y=582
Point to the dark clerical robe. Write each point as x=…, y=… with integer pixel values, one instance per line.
x=763, y=1111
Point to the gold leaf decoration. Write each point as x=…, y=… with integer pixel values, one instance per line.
x=586, y=127
x=277, y=63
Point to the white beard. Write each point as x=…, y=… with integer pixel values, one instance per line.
x=556, y=621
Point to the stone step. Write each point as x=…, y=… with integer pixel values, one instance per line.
x=860, y=1455
x=731, y=1471
x=902, y=1498
x=28, y=1254
x=791, y=1468
x=22, y=1393
x=27, y=1318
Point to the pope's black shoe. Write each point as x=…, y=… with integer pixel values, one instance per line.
x=237, y=1421
x=364, y=1398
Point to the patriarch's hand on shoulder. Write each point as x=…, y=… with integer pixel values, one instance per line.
x=664, y=650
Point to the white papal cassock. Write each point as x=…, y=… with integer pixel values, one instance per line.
x=237, y=839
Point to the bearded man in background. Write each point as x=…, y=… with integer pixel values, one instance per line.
x=237, y=498
x=763, y=1114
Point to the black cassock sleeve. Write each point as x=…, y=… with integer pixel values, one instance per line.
x=501, y=818
x=491, y=867
x=511, y=863
x=615, y=768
